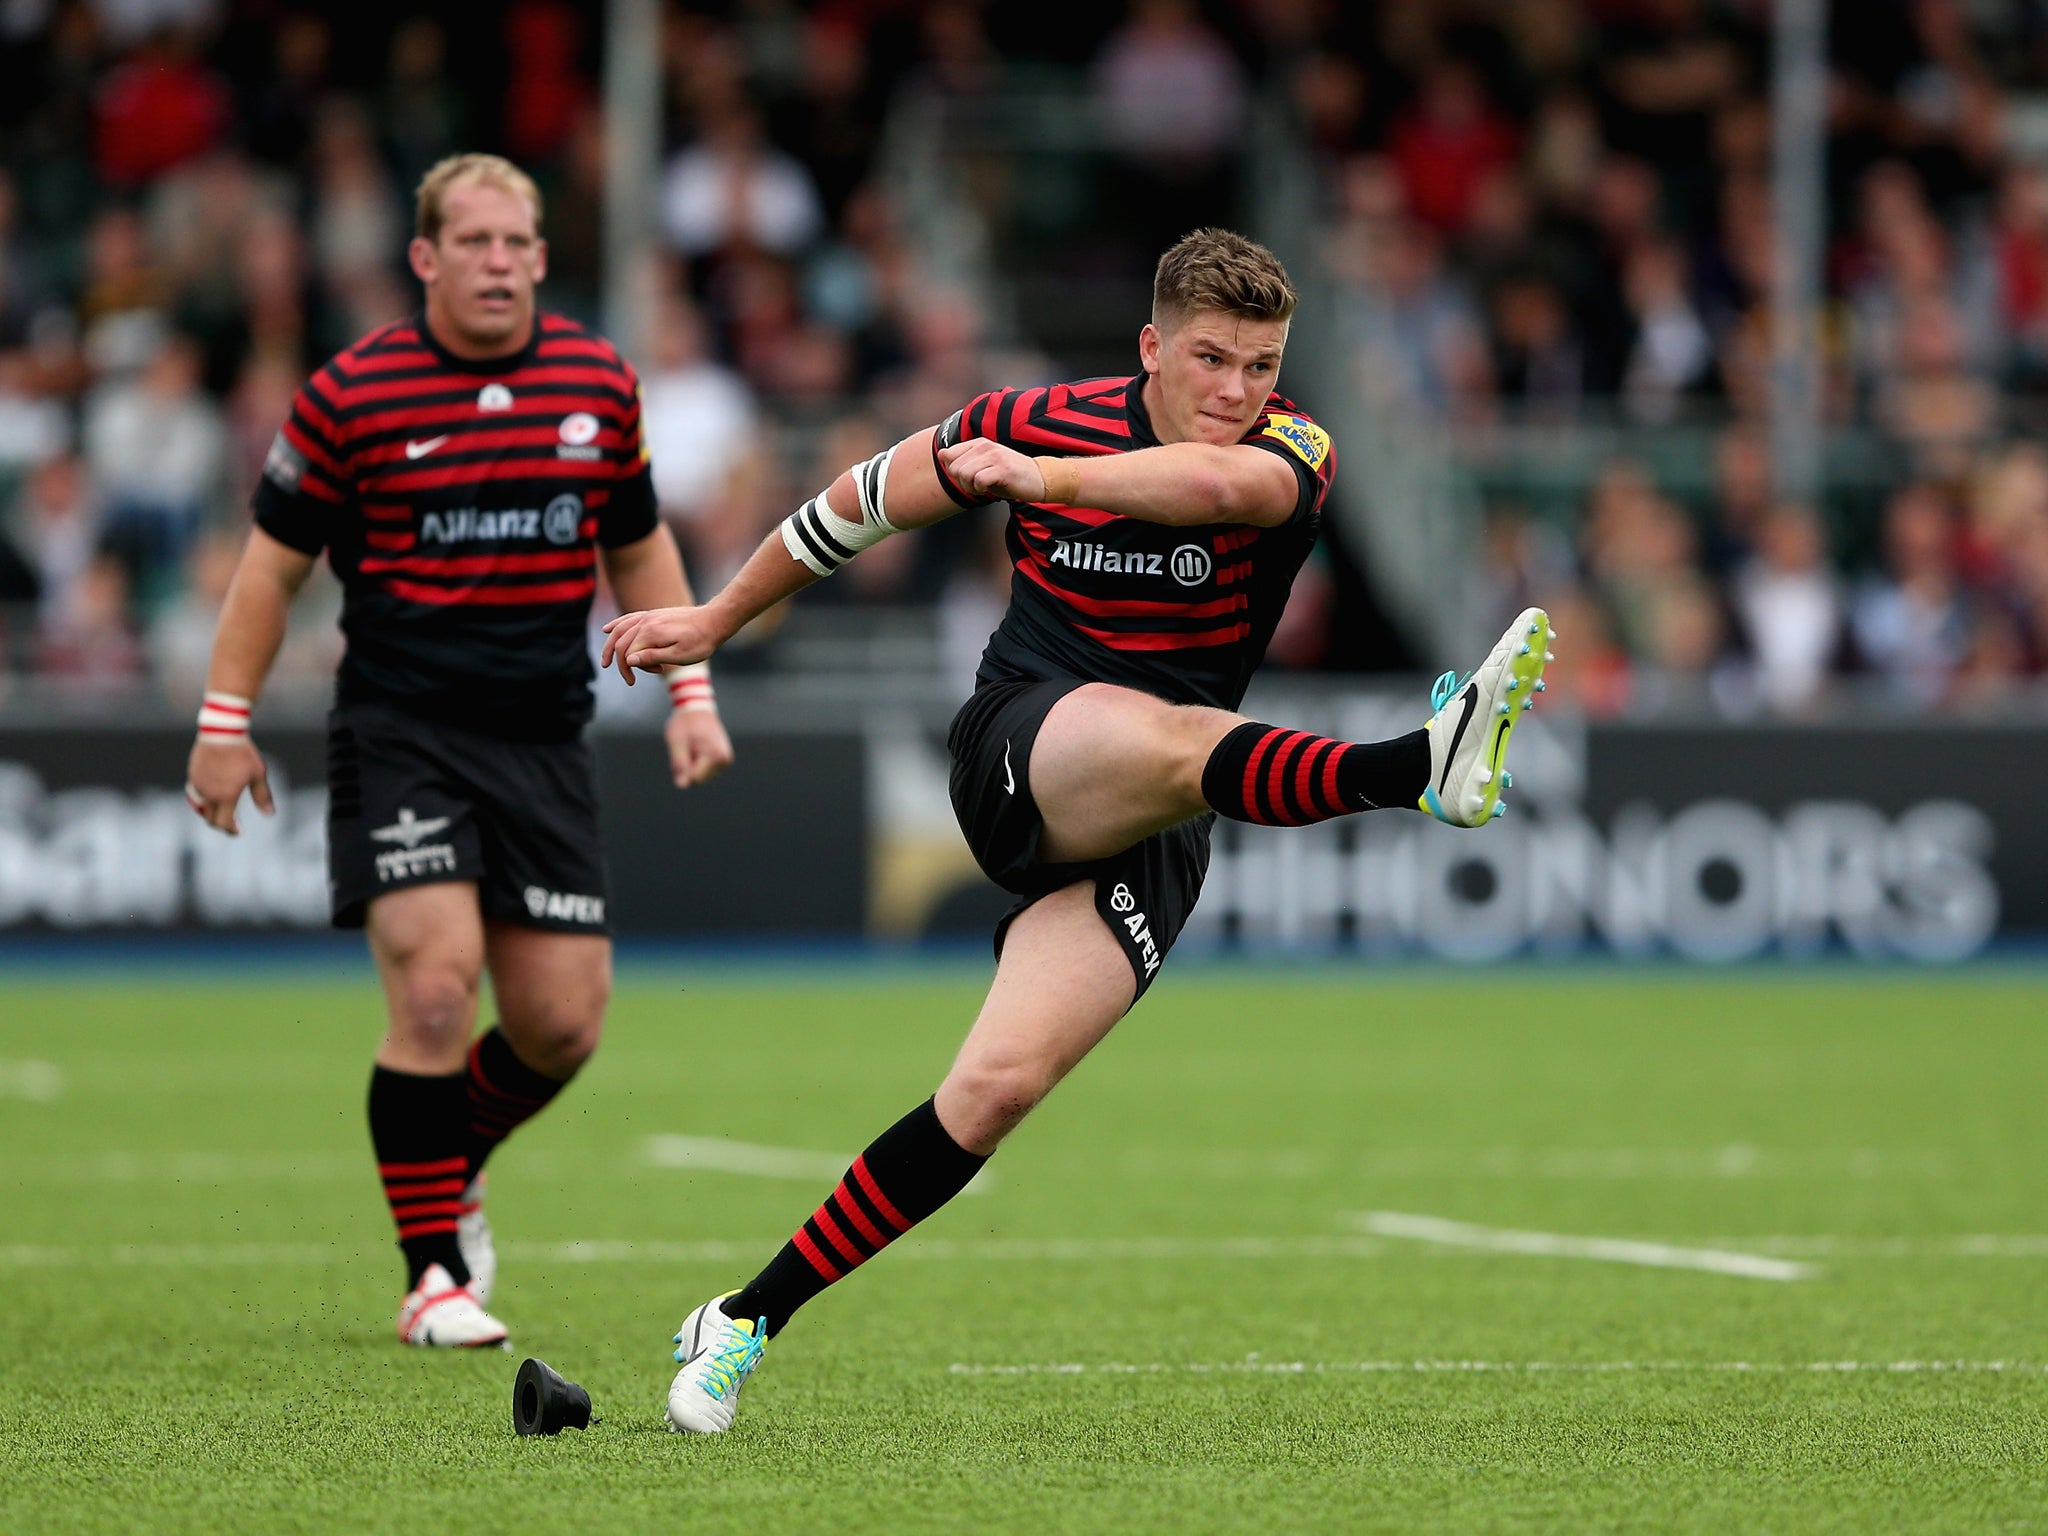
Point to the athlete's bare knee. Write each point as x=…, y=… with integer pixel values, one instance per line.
x=981, y=1102
x=434, y=1005
x=560, y=1045
x=557, y=1032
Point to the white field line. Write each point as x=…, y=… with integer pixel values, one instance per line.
x=1737, y=1160
x=39, y=1082
x=714, y=1154
x=1257, y=1367
x=1558, y=1245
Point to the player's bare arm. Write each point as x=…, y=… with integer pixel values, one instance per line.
x=902, y=492
x=647, y=574
x=224, y=761
x=1179, y=484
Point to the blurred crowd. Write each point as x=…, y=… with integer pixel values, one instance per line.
x=1536, y=215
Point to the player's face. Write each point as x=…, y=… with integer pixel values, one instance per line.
x=1211, y=372
x=481, y=272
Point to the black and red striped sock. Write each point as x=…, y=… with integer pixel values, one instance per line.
x=911, y=1170
x=504, y=1093
x=420, y=1128
x=1282, y=778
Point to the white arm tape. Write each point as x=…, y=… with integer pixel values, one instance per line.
x=820, y=538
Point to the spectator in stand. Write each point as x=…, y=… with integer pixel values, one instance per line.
x=1448, y=144
x=699, y=417
x=1788, y=601
x=545, y=93
x=835, y=124
x=422, y=115
x=1539, y=359
x=157, y=448
x=1640, y=553
x=123, y=309
x=56, y=527
x=1412, y=329
x=1934, y=405
x=733, y=189
x=159, y=108
x=1913, y=624
x=1673, y=354
x=1742, y=498
x=358, y=218
x=2020, y=249
x=33, y=422
x=88, y=641
x=1172, y=102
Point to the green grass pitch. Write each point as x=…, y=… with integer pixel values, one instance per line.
x=1168, y=1313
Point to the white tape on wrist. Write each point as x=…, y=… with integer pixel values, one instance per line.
x=224, y=717
x=821, y=539
x=689, y=687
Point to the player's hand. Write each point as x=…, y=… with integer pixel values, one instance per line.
x=215, y=776
x=657, y=638
x=698, y=748
x=982, y=468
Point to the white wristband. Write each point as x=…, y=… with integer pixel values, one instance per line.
x=224, y=717
x=689, y=687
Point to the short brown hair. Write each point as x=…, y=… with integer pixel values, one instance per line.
x=429, y=210
x=1216, y=269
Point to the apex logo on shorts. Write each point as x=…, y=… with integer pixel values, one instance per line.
x=564, y=906
x=1122, y=902
x=414, y=856
x=1189, y=564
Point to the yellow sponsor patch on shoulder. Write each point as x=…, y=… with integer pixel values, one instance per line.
x=1304, y=439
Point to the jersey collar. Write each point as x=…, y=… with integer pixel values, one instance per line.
x=1140, y=418
x=509, y=363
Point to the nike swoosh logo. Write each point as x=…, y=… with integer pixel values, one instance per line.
x=1471, y=703
x=421, y=450
x=1009, y=779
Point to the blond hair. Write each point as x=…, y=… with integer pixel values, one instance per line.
x=1216, y=269
x=430, y=201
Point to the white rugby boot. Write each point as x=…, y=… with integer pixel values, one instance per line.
x=1468, y=735
x=439, y=1314
x=717, y=1354
x=473, y=1241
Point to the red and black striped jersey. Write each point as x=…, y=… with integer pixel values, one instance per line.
x=1184, y=613
x=462, y=503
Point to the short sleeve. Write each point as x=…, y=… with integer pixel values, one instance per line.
x=631, y=512
x=1308, y=451
x=304, y=485
x=980, y=417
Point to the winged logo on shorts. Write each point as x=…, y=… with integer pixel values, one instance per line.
x=409, y=829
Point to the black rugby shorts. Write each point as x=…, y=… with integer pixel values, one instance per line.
x=1144, y=894
x=412, y=802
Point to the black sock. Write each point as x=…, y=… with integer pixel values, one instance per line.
x=420, y=1128
x=1281, y=778
x=504, y=1093
x=911, y=1170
